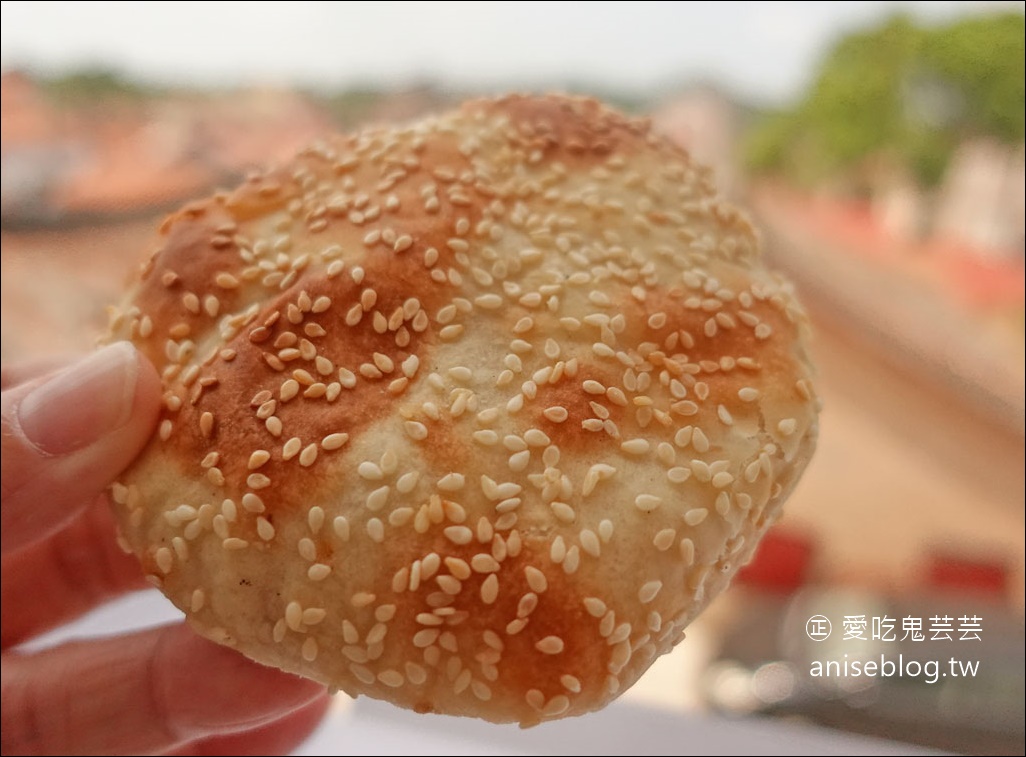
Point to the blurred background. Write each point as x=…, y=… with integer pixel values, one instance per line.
x=879, y=145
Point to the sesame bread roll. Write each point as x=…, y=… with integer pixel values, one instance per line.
x=474, y=415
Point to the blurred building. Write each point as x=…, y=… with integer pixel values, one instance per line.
x=70, y=162
x=35, y=150
x=708, y=123
x=982, y=199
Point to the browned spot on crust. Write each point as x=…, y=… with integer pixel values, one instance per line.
x=568, y=393
x=574, y=130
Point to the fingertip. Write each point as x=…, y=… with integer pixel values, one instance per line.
x=279, y=736
x=151, y=691
x=67, y=436
x=227, y=691
x=148, y=391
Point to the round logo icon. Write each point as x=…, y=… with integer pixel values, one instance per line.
x=818, y=628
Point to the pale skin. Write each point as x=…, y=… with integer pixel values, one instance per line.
x=69, y=428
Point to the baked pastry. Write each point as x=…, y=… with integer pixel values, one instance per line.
x=473, y=415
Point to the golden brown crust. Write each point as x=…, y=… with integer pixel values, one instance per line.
x=474, y=416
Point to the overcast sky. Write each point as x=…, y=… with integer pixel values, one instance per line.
x=761, y=51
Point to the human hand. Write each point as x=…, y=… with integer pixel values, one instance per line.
x=66, y=436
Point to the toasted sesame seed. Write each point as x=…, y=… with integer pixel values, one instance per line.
x=516, y=626
x=376, y=530
x=258, y=458
x=164, y=559
x=257, y=481
x=197, y=600
x=220, y=527
x=383, y=362
x=535, y=699
x=687, y=551
x=647, y=502
x=264, y=528
x=722, y=479
x=556, y=413
x=291, y=448
x=595, y=606
x=664, y=539
x=226, y=280
x=229, y=510
x=620, y=634
x=313, y=615
x=701, y=470
x=369, y=471
x=490, y=589
x=415, y=674
x=310, y=649
x=518, y=461
x=307, y=549
x=400, y=516
x=514, y=443
x=334, y=441
x=425, y=637
x=340, y=525
x=685, y=408
x=252, y=503
x=392, y=678
x=406, y=482
x=451, y=482
x=748, y=394
x=450, y=332
x=695, y=516
x=294, y=615
x=315, y=517
x=362, y=599
x=550, y=645
x=289, y=389
x=362, y=673
x=649, y=591
x=620, y=657
x=563, y=511
x=700, y=441
x=318, y=572
x=459, y=534
x=308, y=455
x=355, y=654
x=324, y=366
x=536, y=437
x=636, y=446
x=484, y=563
x=206, y=423
x=535, y=579
x=377, y=498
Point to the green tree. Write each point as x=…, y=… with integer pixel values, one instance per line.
x=91, y=84
x=902, y=91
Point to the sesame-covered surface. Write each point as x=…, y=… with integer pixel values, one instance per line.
x=474, y=415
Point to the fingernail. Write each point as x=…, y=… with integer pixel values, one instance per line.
x=83, y=402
